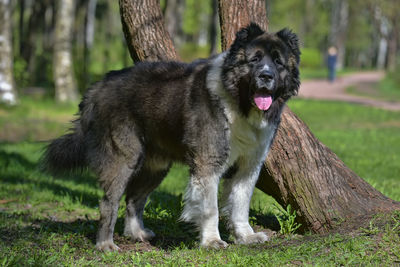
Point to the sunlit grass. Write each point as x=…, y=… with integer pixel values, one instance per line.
x=53, y=221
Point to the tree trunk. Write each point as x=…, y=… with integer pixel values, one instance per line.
x=21, y=28
x=300, y=170
x=383, y=44
x=339, y=23
x=8, y=93
x=146, y=36
x=65, y=84
x=90, y=19
x=173, y=20
x=392, y=48
x=304, y=173
x=213, y=28
x=236, y=14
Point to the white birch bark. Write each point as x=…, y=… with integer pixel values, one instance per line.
x=8, y=92
x=65, y=84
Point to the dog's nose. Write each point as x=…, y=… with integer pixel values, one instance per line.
x=266, y=75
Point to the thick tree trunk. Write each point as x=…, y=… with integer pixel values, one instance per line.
x=65, y=84
x=304, y=173
x=236, y=14
x=8, y=93
x=299, y=169
x=146, y=35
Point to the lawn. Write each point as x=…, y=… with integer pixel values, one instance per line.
x=388, y=89
x=48, y=221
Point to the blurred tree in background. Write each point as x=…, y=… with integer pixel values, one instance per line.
x=64, y=77
x=366, y=33
x=7, y=89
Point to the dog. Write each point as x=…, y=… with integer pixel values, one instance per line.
x=218, y=115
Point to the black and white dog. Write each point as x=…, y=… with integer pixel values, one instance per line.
x=217, y=115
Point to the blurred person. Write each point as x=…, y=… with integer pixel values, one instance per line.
x=331, y=62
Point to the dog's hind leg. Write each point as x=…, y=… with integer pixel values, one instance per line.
x=137, y=192
x=116, y=179
x=122, y=158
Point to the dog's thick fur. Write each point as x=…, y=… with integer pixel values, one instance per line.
x=138, y=120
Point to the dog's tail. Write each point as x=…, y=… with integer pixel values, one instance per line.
x=65, y=154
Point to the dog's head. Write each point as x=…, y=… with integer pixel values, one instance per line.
x=261, y=68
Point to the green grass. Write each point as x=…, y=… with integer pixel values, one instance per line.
x=387, y=89
x=47, y=221
x=320, y=73
x=35, y=120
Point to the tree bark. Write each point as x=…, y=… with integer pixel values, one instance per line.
x=8, y=93
x=236, y=14
x=306, y=174
x=65, y=84
x=299, y=169
x=144, y=30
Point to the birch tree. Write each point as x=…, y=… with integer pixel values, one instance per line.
x=8, y=93
x=64, y=79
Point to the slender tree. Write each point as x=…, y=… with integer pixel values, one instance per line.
x=299, y=170
x=8, y=93
x=213, y=35
x=173, y=19
x=90, y=19
x=65, y=84
x=338, y=33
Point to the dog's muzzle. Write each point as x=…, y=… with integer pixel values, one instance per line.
x=267, y=79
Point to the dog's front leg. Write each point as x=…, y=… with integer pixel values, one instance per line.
x=236, y=199
x=201, y=208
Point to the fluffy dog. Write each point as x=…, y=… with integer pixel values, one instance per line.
x=218, y=115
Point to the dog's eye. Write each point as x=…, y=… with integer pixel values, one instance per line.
x=255, y=59
x=278, y=62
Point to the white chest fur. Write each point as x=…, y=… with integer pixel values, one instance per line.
x=250, y=137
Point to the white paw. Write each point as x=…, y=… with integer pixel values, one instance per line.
x=255, y=238
x=141, y=235
x=107, y=246
x=214, y=244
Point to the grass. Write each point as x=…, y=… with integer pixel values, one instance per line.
x=387, y=89
x=48, y=221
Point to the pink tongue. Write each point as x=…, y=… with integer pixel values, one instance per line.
x=263, y=102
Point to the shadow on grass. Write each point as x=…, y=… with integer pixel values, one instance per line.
x=161, y=214
x=17, y=169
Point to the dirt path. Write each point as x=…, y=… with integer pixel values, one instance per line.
x=322, y=89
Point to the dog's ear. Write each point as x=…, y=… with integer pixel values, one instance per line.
x=291, y=40
x=247, y=34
